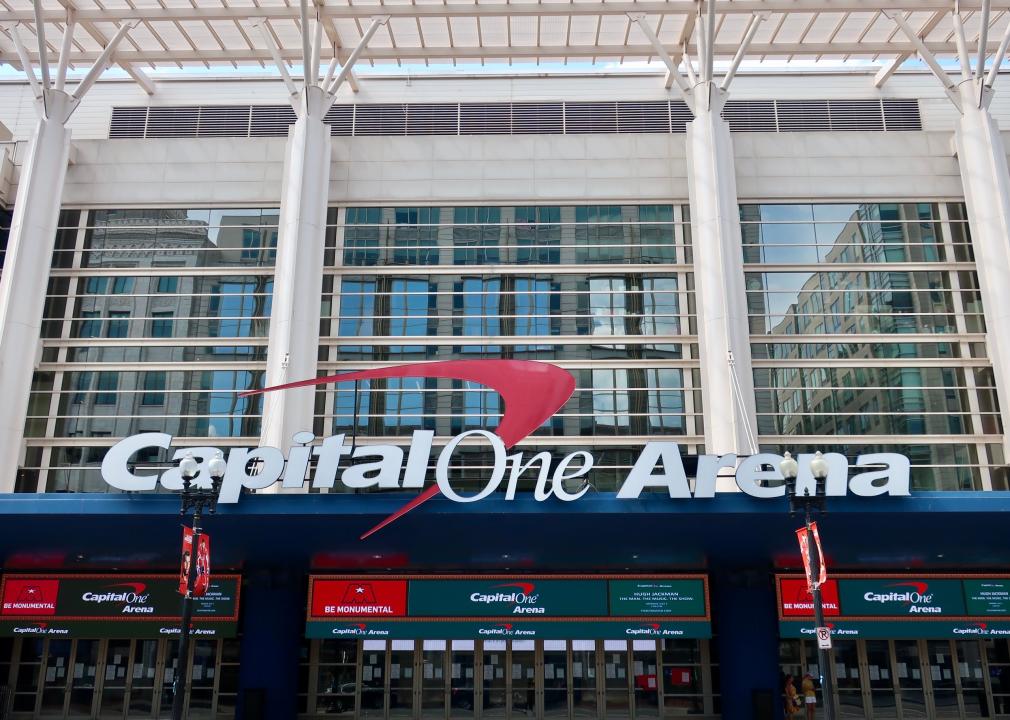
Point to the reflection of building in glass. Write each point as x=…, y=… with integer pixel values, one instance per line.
x=844, y=323
x=598, y=308
x=166, y=324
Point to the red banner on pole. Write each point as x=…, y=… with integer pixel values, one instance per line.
x=804, y=538
x=202, y=581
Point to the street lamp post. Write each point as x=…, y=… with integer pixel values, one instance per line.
x=194, y=498
x=819, y=469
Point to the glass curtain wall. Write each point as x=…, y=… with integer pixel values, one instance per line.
x=603, y=291
x=155, y=320
x=867, y=335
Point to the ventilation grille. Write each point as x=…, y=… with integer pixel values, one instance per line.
x=519, y=118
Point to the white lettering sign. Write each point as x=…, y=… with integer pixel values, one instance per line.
x=659, y=466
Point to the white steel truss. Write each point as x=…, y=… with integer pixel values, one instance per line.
x=218, y=32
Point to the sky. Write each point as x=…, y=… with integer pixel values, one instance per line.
x=417, y=70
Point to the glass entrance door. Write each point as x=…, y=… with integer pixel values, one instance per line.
x=585, y=700
x=523, y=690
x=433, y=679
x=117, y=663
x=645, y=679
x=555, y=679
x=882, y=693
x=90, y=678
x=848, y=680
x=616, y=680
x=941, y=675
x=401, y=679
x=971, y=674
x=495, y=680
x=462, y=688
x=908, y=673
x=54, y=681
x=82, y=679
x=373, y=684
x=142, y=675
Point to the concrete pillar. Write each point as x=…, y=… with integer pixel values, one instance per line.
x=986, y=180
x=26, y=272
x=727, y=387
x=298, y=277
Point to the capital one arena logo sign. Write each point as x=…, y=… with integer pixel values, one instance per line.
x=532, y=393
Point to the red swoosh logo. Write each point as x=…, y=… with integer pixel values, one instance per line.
x=527, y=588
x=138, y=588
x=532, y=393
x=920, y=587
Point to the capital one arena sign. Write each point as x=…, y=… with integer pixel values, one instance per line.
x=532, y=392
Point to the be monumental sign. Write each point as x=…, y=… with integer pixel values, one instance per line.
x=112, y=606
x=532, y=392
x=900, y=606
x=551, y=607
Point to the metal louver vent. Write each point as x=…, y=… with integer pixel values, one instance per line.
x=380, y=119
x=340, y=118
x=590, y=117
x=902, y=115
x=440, y=119
x=485, y=119
x=549, y=118
x=643, y=117
x=172, y=122
x=750, y=115
x=855, y=115
x=537, y=119
x=803, y=115
x=271, y=120
x=223, y=121
x=128, y=122
x=680, y=116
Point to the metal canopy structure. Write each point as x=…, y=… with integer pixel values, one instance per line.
x=220, y=33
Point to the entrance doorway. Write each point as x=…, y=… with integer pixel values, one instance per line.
x=509, y=679
x=932, y=679
x=109, y=679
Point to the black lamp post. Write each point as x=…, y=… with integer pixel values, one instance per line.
x=808, y=503
x=194, y=498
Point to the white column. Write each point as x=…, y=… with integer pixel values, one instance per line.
x=26, y=273
x=727, y=386
x=298, y=278
x=986, y=180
